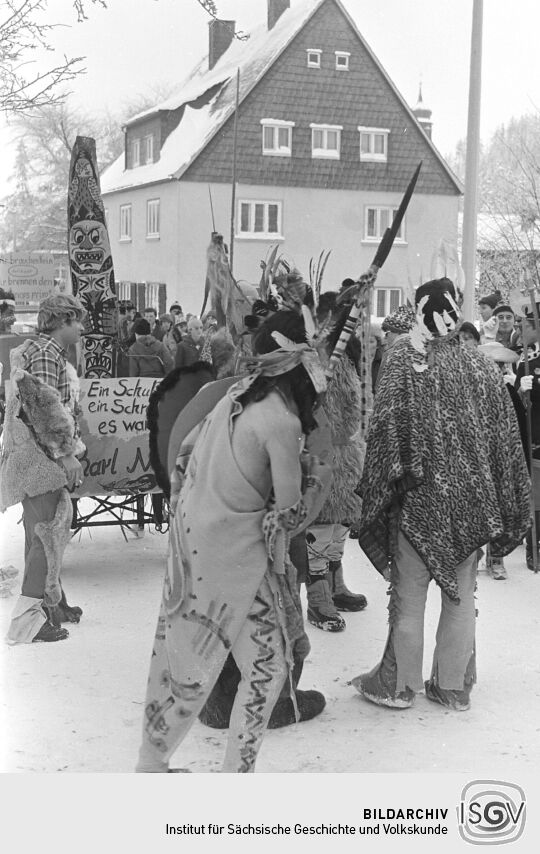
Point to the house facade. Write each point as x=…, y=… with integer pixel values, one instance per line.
x=325, y=147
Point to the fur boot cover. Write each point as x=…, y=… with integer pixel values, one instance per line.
x=342, y=407
x=25, y=468
x=55, y=536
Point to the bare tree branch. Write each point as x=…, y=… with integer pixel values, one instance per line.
x=210, y=7
x=23, y=30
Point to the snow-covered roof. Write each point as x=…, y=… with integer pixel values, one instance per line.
x=252, y=57
x=197, y=126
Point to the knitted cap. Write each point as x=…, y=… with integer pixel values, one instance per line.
x=400, y=321
x=490, y=299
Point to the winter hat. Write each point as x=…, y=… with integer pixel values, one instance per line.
x=166, y=318
x=176, y=307
x=141, y=327
x=491, y=299
x=503, y=307
x=401, y=320
x=471, y=329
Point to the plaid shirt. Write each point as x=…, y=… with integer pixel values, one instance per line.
x=46, y=360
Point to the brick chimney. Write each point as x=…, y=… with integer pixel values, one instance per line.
x=221, y=34
x=275, y=10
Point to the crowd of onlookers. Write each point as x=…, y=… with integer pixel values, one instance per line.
x=151, y=346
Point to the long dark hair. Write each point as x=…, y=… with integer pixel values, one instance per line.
x=296, y=382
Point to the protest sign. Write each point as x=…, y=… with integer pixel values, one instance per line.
x=29, y=277
x=113, y=428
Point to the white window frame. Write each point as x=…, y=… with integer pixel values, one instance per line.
x=259, y=235
x=124, y=291
x=152, y=218
x=126, y=223
x=135, y=153
x=276, y=125
x=387, y=300
x=151, y=296
x=313, y=57
x=149, y=148
x=342, y=54
x=375, y=238
x=372, y=155
x=326, y=153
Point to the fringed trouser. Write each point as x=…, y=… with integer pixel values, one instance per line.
x=171, y=707
x=453, y=660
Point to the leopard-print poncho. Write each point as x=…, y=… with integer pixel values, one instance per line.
x=444, y=461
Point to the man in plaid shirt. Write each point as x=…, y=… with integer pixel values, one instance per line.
x=59, y=326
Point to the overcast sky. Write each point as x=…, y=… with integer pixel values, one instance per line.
x=135, y=44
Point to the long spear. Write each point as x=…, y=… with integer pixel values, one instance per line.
x=362, y=291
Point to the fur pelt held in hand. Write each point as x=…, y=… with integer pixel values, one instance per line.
x=51, y=422
x=35, y=420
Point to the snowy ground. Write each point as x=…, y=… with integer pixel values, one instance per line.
x=76, y=705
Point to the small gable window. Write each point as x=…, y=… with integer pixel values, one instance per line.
x=326, y=141
x=342, y=60
x=374, y=144
x=277, y=137
x=149, y=149
x=136, y=153
x=314, y=57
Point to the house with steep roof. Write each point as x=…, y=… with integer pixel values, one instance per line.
x=325, y=147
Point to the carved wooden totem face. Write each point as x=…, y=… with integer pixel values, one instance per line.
x=90, y=259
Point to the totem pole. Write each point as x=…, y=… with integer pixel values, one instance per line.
x=90, y=262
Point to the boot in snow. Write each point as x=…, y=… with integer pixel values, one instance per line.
x=343, y=598
x=322, y=612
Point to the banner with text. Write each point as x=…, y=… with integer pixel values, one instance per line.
x=29, y=277
x=113, y=428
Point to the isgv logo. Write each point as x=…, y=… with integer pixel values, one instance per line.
x=491, y=812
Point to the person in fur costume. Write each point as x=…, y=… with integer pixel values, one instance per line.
x=39, y=464
x=327, y=592
x=444, y=474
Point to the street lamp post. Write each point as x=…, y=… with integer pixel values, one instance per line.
x=470, y=208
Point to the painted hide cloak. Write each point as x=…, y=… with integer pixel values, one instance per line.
x=218, y=558
x=444, y=461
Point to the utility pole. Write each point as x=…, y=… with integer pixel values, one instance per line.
x=470, y=210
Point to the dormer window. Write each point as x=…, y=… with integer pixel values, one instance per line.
x=326, y=141
x=314, y=57
x=149, y=149
x=342, y=60
x=374, y=144
x=277, y=137
x=136, y=153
